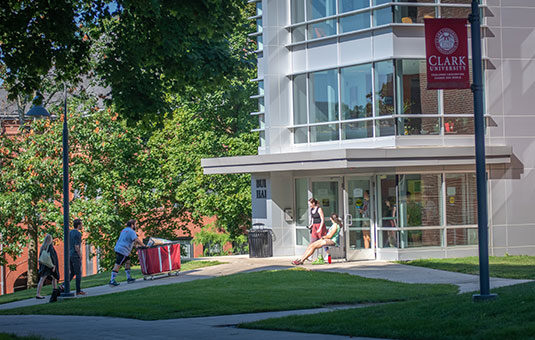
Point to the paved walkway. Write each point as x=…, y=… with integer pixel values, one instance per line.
x=62, y=327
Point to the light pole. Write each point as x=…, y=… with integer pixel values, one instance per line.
x=40, y=111
x=481, y=174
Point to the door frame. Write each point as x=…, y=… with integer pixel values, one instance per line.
x=361, y=254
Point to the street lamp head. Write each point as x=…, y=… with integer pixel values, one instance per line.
x=37, y=111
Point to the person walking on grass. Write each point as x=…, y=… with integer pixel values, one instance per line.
x=75, y=255
x=331, y=239
x=48, y=267
x=123, y=248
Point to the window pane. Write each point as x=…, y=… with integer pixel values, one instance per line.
x=355, y=22
x=298, y=11
x=458, y=126
x=380, y=2
x=323, y=96
x=421, y=238
x=321, y=29
x=413, y=14
x=298, y=34
x=324, y=133
x=301, y=202
x=259, y=8
x=461, y=199
x=261, y=104
x=351, y=5
x=357, y=130
x=417, y=99
x=261, y=87
x=385, y=127
x=455, y=12
x=259, y=42
x=420, y=200
x=259, y=25
x=418, y=126
x=261, y=122
x=382, y=16
x=462, y=236
x=320, y=8
x=300, y=99
x=356, y=87
x=302, y=237
x=262, y=136
x=384, y=88
x=301, y=135
x=388, y=239
x=388, y=201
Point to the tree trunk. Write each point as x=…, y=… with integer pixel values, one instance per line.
x=32, y=256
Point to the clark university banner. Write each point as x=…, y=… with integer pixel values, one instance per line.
x=446, y=47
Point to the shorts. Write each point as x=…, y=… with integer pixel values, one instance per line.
x=120, y=258
x=317, y=232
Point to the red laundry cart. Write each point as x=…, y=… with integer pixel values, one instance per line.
x=159, y=259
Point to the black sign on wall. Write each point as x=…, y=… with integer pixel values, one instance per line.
x=261, y=188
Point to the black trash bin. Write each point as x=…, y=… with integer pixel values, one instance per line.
x=260, y=243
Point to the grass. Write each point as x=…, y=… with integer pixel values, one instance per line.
x=241, y=293
x=98, y=280
x=6, y=336
x=511, y=267
x=510, y=316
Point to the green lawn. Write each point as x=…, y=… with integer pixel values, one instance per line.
x=241, y=293
x=511, y=316
x=511, y=267
x=5, y=336
x=98, y=280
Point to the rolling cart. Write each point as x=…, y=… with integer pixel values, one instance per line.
x=159, y=260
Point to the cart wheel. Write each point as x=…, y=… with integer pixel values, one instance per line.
x=144, y=278
x=169, y=274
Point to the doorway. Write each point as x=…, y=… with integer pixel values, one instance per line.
x=359, y=207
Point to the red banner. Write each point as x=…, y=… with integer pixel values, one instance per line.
x=446, y=47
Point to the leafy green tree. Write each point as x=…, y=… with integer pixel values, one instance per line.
x=30, y=182
x=140, y=49
x=209, y=123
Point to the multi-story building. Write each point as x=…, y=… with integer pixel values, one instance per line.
x=345, y=117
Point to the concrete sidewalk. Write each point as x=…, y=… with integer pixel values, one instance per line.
x=67, y=327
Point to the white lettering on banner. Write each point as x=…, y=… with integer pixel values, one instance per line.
x=438, y=61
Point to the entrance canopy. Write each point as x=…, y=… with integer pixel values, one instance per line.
x=355, y=158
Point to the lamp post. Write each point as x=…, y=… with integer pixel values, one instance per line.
x=40, y=111
x=482, y=213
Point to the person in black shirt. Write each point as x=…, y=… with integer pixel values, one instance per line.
x=75, y=254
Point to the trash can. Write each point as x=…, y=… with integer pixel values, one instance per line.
x=260, y=242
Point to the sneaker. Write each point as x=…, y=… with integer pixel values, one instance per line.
x=131, y=280
x=81, y=293
x=297, y=262
x=319, y=260
x=113, y=283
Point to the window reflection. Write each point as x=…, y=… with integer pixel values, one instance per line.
x=384, y=88
x=323, y=96
x=321, y=29
x=354, y=22
x=320, y=8
x=352, y=5
x=300, y=99
x=461, y=200
x=356, y=91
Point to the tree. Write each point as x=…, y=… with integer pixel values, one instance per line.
x=140, y=49
x=30, y=182
x=208, y=123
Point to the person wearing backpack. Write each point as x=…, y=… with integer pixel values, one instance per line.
x=48, y=267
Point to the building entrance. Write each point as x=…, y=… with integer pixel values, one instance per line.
x=359, y=212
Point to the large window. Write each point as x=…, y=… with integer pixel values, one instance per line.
x=356, y=15
x=411, y=210
x=379, y=99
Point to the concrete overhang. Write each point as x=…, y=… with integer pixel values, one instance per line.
x=355, y=158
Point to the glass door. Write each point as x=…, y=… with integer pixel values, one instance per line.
x=329, y=195
x=359, y=218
